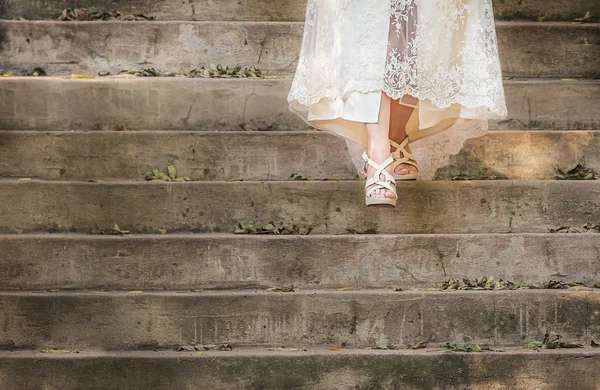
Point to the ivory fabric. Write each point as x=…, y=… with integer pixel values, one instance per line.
x=438, y=56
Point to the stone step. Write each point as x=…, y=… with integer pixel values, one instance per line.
x=148, y=320
x=270, y=10
x=527, y=49
x=273, y=155
x=314, y=369
x=219, y=261
x=50, y=103
x=319, y=207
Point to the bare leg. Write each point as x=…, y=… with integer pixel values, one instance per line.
x=400, y=115
x=378, y=147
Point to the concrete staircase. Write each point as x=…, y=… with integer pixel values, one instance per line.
x=109, y=309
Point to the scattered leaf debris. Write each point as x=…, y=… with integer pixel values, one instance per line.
x=587, y=228
x=202, y=348
x=587, y=18
x=212, y=71
x=270, y=228
x=450, y=347
x=115, y=230
x=220, y=71
x=37, y=72
x=80, y=15
x=171, y=175
x=491, y=283
x=145, y=72
x=83, y=76
x=580, y=172
x=297, y=176
x=281, y=289
x=56, y=351
x=551, y=342
x=381, y=348
x=482, y=174
x=420, y=345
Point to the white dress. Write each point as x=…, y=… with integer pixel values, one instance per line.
x=438, y=56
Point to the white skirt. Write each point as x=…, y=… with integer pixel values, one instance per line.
x=439, y=57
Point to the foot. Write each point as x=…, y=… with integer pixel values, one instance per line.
x=404, y=169
x=379, y=155
x=405, y=160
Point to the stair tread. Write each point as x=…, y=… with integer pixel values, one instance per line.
x=310, y=351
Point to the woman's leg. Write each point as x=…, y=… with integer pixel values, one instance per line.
x=378, y=142
x=400, y=114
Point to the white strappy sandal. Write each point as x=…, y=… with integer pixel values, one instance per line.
x=376, y=183
x=402, y=156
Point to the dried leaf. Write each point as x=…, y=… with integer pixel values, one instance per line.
x=281, y=289
x=38, y=72
x=115, y=230
x=56, y=351
x=83, y=76
x=283, y=349
x=135, y=292
x=417, y=345
x=587, y=18
x=199, y=353
x=297, y=176
x=334, y=349
x=580, y=172
x=172, y=171
x=462, y=347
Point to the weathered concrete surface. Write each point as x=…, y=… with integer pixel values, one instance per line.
x=83, y=47
x=199, y=155
x=220, y=261
x=283, y=10
x=198, y=104
x=525, y=155
x=527, y=49
x=327, y=207
x=123, y=321
x=252, y=369
x=256, y=155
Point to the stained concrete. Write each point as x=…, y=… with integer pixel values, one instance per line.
x=273, y=155
x=252, y=369
x=220, y=261
x=326, y=207
x=273, y=10
x=526, y=49
x=199, y=104
x=124, y=321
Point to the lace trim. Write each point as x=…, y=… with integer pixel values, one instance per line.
x=344, y=50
